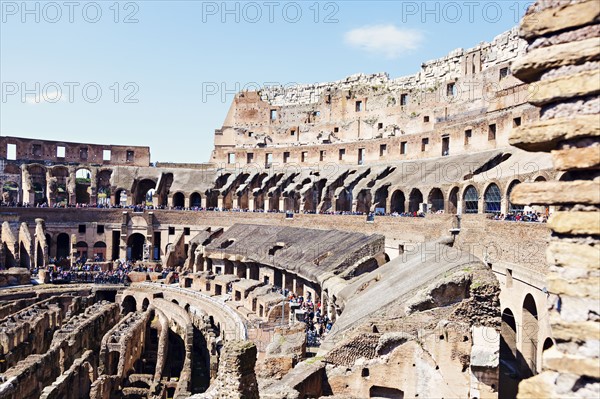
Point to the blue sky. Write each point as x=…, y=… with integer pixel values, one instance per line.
x=78, y=72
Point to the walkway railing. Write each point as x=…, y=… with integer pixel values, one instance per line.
x=242, y=328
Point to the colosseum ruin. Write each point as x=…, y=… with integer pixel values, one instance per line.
x=435, y=235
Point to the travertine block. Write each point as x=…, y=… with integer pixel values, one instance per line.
x=555, y=193
x=563, y=253
x=531, y=66
x=566, y=87
x=564, y=363
x=559, y=18
x=575, y=222
x=577, y=158
x=545, y=135
x=587, y=287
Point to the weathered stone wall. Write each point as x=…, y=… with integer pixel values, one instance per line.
x=15, y=276
x=27, y=379
x=35, y=150
x=236, y=378
x=74, y=383
x=28, y=331
x=562, y=63
x=299, y=124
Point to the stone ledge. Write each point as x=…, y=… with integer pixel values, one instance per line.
x=556, y=193
x=530, y=67
x=566, y=87
x=578, y=288
x=559, y=18
x=545, y=135
x=563, y=363
x=582, y=331
x=561, y=253
x=539, y=386
x=576, y=223
x=577, y=158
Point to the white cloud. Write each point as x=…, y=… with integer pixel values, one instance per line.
x=45, y=96
x=387, y=40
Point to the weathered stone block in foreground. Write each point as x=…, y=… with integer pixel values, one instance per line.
x=15, y=276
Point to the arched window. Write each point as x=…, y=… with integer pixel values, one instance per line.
x=195, y=200
x=512, y=208
x=436, y=199
x=471, y=200
x=397, y=204
x=492, y=198
x=453, y=201
x=414, y=200
x=178, y=200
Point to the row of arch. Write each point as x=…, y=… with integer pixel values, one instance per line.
x=436, y=201
x=469, y=197
x=518, y=362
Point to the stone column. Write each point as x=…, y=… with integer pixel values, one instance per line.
x=569, y=368
x=71, y=183
x=93, y=186
x=51, y=198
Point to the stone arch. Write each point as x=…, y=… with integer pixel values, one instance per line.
x=10, y=192
x=566, y=176
x=453, y=200
x=120, y=197
x=343, y=203
x=512, y=208
x=436, y=199
x=135, y=246
x=273, y=202
x=103, y=187
x=415, y=199
x=178, y=200
x=37, y=176
x=128, y=305
x=492, y=199
x=398, y=201
x=59, y=192
x=83, y=184
x=509, y=377
x=529, y=336
x=39, y=255
x=470, y=200
x=24, y=256
x=212, y=198
x=100, y=250
x=63, y=246
x=195, y=200
x=540, y=178
x=9, y=257
x=145, y=304
x=363, y=201
x=381, y=196
x=82, y=249
x=291, y=203
x=142, y=189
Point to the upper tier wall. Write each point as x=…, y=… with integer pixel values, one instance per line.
x=467, y=101
x=45, y=151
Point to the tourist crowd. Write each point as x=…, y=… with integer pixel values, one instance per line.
x=84, y=271
x=529, y=216
x=317, y=323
